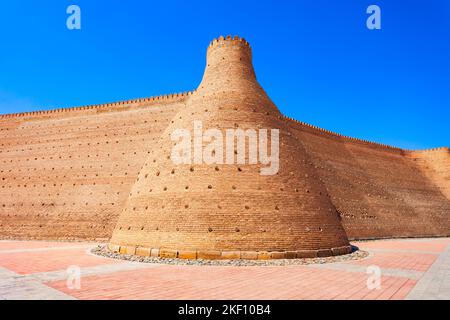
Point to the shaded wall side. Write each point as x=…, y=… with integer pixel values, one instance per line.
x=67, y=175
x=378, y=191
x=435, y=164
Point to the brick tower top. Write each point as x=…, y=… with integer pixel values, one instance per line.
x=228, y=39
x=228, y=65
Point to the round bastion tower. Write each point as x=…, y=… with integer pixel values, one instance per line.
x=229, y=209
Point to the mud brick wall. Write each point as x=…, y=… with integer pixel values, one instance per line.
x=65, y=174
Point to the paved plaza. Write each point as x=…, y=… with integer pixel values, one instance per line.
x=410, y=269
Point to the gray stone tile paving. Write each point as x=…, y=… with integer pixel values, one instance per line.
x=435, y=283
x=17, y=287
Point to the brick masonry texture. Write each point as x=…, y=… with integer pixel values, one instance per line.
x=83, y=172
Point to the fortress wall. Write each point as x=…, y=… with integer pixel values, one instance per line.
x=379, y=191
x=68, y=174
x=65, y=174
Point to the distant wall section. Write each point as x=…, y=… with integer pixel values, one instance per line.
x=381, y=191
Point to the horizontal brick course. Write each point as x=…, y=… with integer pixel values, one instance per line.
x=230, y=255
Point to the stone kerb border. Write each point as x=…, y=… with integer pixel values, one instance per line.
x=227, y=255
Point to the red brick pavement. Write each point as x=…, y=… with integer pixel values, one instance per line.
x=435, y=245
x=38, y=261
x=192, y=282
x=343, y=281
x=400, y=260
x=20, y=245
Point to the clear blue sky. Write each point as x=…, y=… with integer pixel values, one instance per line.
x=315, y=58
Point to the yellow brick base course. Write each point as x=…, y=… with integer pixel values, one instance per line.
x=227, y=255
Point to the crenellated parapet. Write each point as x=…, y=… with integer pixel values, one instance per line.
x=432, y=150
x=112, y=106
x=228, y=40
x=340, y=136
